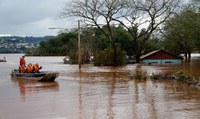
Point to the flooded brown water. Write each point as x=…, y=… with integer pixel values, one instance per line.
x=96, y=93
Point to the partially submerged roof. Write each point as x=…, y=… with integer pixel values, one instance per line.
x=146, y=56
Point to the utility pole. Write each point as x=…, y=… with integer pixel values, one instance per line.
x=79, y=44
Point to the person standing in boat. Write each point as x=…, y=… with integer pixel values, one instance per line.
x=22, y=64
x=22, y=61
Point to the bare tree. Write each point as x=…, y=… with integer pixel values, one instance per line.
x=140, y=17
x=98, y=13
x=143, y=17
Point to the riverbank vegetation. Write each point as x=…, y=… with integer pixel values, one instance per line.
x=126, y=34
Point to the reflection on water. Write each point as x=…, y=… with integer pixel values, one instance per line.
x=27, y=86
x=96, y=92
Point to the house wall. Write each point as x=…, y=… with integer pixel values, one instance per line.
x=162, y=61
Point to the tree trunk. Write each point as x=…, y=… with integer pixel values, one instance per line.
x=137, y=57
x=189, y=56
x=186, y=57
x=114, y=57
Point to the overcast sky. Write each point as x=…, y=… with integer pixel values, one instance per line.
x=32, y=17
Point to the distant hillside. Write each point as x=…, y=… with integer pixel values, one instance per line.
x=26, y=39
x=18, y=44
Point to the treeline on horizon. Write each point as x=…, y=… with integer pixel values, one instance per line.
x=110, y=44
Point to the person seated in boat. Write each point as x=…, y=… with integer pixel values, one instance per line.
x=22, y=61
x=22, y=69
x=29, y=68
x=36, y=68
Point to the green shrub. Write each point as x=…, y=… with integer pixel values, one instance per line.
x=106, y=58
x=73, y=58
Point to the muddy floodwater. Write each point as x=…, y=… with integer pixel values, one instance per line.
x=96, y=92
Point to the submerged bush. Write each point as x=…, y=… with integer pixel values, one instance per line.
x=184, y=77
x=155, y=76
x=139, y=74
x=164, y=75
x=180, y=76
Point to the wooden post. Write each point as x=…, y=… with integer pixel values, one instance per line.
x=79, y=45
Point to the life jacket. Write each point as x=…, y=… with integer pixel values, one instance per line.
x=22, y=69
x=36, y=68
x=29, y=68
x=22, y=61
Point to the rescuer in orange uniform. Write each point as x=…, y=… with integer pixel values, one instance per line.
x=36, y=68
x=22, y=69
x=29, y=68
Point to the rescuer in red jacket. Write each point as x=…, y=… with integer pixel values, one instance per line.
x=22, y=61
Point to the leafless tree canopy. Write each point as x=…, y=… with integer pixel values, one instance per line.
x=133, y=15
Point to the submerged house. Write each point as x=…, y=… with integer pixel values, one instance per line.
x=161, y=57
